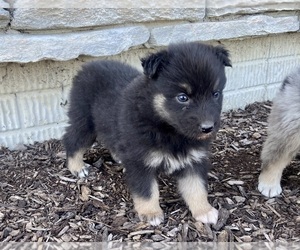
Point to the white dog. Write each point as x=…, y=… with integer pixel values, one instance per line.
x=283, y=140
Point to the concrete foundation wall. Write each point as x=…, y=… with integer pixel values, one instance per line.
x=41, y=51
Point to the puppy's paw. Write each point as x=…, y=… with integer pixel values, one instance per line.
x=153, y=218
x=269, y=190
x=76, y=165
x=210, y=217
x=116, y=159
x=83, y=172
x=148, y=209
x=269, y=187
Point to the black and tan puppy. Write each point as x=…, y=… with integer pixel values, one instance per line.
x=162, y=120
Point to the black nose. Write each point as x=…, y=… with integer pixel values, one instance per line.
x=207, y=128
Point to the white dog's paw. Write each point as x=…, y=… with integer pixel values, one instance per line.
x=269, y=190
x=210, y=217
x=269, y=184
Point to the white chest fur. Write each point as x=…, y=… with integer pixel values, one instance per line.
x=172, y=163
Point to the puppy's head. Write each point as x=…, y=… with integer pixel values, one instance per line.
x=188, y=80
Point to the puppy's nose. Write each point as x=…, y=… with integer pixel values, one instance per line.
x=207, y=128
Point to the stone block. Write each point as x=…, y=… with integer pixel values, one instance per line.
x=132, y=4
x=280, y=67
x=9, y=119
x=247, y=50
x=228, y=7
x=15, y=139
x=41, y=108
x=234, y=99
x=66, y=46
x=272, y=90
x=37, y=76
x=4, y=18
x=282, y=46
x=73, y=18
x=246, y=75
x=250, y=26
x=3, y=5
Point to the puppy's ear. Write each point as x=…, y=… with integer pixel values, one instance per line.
x=223, y=55
x=154, y=63
x=285, y=82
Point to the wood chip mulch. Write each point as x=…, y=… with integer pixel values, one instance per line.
x=41, y=201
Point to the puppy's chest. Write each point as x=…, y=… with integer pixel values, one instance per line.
x=172, y=162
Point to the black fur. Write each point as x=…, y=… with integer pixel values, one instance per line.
x=114, y=102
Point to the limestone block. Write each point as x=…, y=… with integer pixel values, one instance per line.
x=16, y=138
x=8, y=113
x=66, y=46
x=38, y=76
x=254, y=74
x=3, y=4
x=233, y=99
x=41, y=108
x=4, y=18
x=62, y=18
x=250, y=26
x=226, y=7
x=279, y=68
x=156, y=4
x=285, y=46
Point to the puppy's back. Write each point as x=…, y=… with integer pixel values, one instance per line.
x=101, y=78
x=286, y=104
x=96, y=89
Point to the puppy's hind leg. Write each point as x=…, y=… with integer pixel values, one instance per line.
x=76, y=140
x=278, y=150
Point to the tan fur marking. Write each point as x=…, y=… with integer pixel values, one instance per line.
x=159, y=106
x=75, y=163
x=194, y=193
x=187, y=88
x=149, y=209
x=216, y=85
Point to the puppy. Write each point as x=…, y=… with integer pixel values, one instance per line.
x=161, y=120
x=283, y=140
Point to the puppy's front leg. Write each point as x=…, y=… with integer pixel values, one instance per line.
x=193, y=190
x=145, y=194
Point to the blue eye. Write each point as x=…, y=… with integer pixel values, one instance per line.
x=182, y=98
x=216, y=94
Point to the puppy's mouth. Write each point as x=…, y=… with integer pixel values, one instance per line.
x=205, y=136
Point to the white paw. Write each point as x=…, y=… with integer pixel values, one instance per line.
x=84, y=172
x=116, y=159
x=210, y=217
x=269, y=190
x=153, y=219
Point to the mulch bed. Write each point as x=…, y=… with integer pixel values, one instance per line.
x=41, y=201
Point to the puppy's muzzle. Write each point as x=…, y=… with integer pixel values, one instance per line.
x=206, y=128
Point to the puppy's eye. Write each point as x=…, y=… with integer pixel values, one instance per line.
x=182, y=98
x=216, y=94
